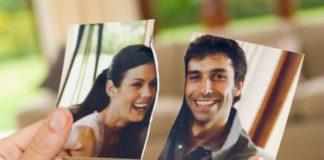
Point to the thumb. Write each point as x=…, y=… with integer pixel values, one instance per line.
x=51, y=136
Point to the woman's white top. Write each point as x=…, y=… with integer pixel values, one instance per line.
x=95, y=122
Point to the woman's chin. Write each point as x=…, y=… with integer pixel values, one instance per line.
x=137, y=115
x=136, y=118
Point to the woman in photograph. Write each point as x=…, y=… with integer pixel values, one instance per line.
x=113, y=119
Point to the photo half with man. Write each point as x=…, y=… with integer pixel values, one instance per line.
x=234, y=104
x=220, y=99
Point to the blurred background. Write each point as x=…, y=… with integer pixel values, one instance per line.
x=33, y=36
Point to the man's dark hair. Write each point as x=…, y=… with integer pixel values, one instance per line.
x=211, y=45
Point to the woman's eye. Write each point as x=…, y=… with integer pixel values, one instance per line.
x=153, y=84
x=137, y=85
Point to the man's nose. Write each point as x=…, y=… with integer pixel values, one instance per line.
x=206, y=87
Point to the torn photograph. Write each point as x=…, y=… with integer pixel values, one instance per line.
x=235, y=101
x=109, y=83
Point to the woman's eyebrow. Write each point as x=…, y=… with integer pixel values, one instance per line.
x=154, y=79
x=138, y=79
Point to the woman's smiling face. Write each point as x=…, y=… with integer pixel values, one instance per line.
x=136, y=93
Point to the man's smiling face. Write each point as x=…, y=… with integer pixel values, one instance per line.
x=210, y=88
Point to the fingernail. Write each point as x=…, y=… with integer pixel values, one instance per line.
x=58, y=120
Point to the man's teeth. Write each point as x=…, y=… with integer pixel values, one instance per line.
x=205, y=103
x=140, y=105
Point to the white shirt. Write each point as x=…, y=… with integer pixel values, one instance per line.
x=95, y=122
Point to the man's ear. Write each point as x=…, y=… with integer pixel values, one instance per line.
x=238, y=88
x=110, y=89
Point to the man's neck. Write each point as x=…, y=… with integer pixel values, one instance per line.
x=207, y=133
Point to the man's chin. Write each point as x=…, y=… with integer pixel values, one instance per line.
x=202, y=119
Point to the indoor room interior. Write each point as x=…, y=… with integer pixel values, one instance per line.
x=33, y=36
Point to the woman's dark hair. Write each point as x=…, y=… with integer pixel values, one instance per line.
x=97, y=99
x=126, y=59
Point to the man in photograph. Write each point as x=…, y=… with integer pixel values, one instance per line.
x=208, y=126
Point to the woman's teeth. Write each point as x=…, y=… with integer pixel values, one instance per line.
x=140, y=105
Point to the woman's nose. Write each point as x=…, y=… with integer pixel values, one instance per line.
x=146, y=92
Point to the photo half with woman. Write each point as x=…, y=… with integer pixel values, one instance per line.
x=109, y=83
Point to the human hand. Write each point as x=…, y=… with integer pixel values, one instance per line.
x=39, y=141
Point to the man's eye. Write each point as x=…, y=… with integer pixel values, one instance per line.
x=193, y=77
x=219, y=77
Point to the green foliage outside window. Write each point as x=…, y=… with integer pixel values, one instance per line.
x=21, y=69
x=17, y=33
x=171, y=13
